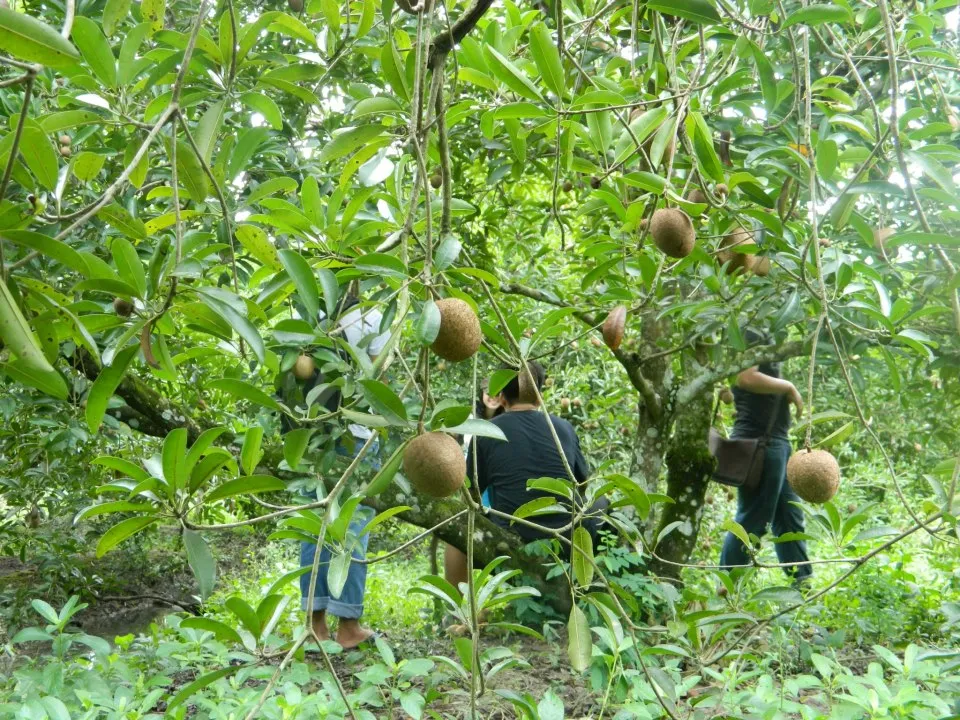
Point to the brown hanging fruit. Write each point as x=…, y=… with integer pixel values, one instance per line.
x=814, y=475
x=460, y=334
x=613, y=327
x=672, y=232
x=303, y=368
x=434, y=464
x=123, y=308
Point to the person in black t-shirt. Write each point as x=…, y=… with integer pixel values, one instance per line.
x=530, y=452
x=758, y=394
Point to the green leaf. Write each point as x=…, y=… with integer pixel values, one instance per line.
x=27, y=38
x=282, y=184
x=737, y=529
x=190, y=172
x=428, y=323
x=348, y=140
x=114, y=12
x=306, y=284
x=243, y=390
x=392, y=66
x=208, y=130
x=38, y=153
x=381, y=263
x=220, y=629
x=295, y=445
x=579, y=642
x=59, y=251
x=31, y=634
x=381, y=481
x=118, y=217
x=201, y=682
x=838, y=436
x=255, y=241
x=827, y=154
x=129, y=265
x=105, y=385
x=95, y=50
x=703, y=146
x=153, y=11
x=264, y=105
x=768, y=81
x=478, y=428
x=384, y=400
x=547, y=58
x=125, y=467
x=702, y=12
x=510, y=75
x=330, y=288
x=337, y=572
x=817, y=15
x=447, y=252
x=46, y=611
x=55, y=122
x=250, y=453
x=246, y=485
x=201, y=562
x=582, y=556
x=117, y=506
x=174, y=459
x=120, y=532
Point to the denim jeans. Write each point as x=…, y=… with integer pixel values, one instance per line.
x=770, y=505
x=350, y=603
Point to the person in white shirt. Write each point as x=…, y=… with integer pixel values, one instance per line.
x=361, y=329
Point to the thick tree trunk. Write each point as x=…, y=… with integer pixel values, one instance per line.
x=689, y=465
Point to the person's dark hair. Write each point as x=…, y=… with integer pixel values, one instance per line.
x=512, y=390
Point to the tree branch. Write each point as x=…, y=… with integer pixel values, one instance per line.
x=753, y=356
x=468, y=21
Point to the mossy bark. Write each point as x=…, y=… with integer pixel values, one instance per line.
x=689, y=465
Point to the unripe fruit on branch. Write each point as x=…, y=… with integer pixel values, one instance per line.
x=436, y=181
x=880, y=237
x=726, y=396
x=614, y=326
x=65, y=151
x=738, y=237
x=434, y=464
x=814, y=475
x=295, y=5
x=123, y=308
x=65, y=140
x=672, y=231
x=567, y=186
x=460, y=335
x=304, y=367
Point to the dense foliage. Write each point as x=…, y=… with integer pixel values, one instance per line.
x=190, y=189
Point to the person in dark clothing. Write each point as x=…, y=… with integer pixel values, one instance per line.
x=758, y=394
x=530, y=452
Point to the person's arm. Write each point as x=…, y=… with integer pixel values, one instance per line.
x=752, y=380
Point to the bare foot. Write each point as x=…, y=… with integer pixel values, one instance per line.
x=350, y=633
x=319, y=621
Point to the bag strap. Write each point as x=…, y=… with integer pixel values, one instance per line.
x=716, y=411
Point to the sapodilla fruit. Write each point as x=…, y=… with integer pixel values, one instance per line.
x=814, y=475
x=696, y=196
x=434, y=464
x=735, y=238
x=303, y=368
x=123, y=308
x=759, y=265
x=460, y=335
x=672, y=232
x=880, y=237
x=613, y=327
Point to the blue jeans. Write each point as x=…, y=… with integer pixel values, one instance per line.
x=770, y=505
x=350, y=603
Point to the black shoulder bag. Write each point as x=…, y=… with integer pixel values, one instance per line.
x=740, y=461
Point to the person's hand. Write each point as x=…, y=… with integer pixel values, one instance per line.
x=793, y=395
